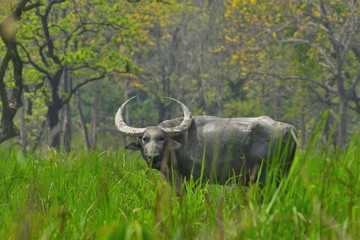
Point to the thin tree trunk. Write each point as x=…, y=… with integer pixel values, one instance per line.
x=23, y=130
x=202, y=80
x=343, y=104
x=303, y=126
x=342, y=127
x=162, y=108
x=204, y=97
x=82, y=123
x=38, y=136
x=127, y=117
x=66, y=131
x=277, y=102
x=219, y=96
x=94, y=118
x=66, y=128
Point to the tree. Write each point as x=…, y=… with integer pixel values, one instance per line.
x=8, y=32
x=180, y=57
x=157, y=53
x=322, y=40
x=74, y=44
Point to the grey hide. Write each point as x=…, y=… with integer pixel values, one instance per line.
x=233, y=146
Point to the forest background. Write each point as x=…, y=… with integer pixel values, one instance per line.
x=67, y=65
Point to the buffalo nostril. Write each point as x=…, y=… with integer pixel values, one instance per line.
x=156, y=158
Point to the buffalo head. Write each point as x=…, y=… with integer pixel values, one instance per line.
x=153, y=141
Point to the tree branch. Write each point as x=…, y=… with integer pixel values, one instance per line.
x=49, y=41
x=73, y=91
x=355, y=81
x=37, y=67
x=293, y=77
x=32, y=6
x=356, y=100
x=327, y=100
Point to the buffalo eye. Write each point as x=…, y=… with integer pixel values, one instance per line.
x=161, y=138
x=145, y=139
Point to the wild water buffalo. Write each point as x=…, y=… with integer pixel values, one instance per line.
x=217, y=149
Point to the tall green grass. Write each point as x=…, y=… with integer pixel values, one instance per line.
x=114, y=195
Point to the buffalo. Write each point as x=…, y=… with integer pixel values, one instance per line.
x=212, y=148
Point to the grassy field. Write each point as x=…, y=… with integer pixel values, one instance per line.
x=114, y=195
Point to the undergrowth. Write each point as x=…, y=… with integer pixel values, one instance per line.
x=114, y=195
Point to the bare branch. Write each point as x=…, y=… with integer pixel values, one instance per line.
x=295, y=77
x=323, y=9
x=73, y=91
x=318, y=25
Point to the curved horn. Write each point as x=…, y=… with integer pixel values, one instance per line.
x=121, y=125
x=184, y=125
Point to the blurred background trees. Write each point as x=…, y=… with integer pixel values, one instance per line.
x=291, y=60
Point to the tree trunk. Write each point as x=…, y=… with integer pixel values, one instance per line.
x=277, y=101
x=204, y=97
x=66, y=139
x=23, y=130
x=66, y=127
x=38, y=136
x=82, y=123
x=161, y=110
x=342, y=126
x=165, y=82
x=303, y=126
x=343, y=105
x=127, y=117
x=10, y=106
x=54, y=107
x=54, y=126
x=220, y=90
x=94, y=118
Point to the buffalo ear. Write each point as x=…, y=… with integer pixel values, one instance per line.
x=173, y=145
x=133, y=146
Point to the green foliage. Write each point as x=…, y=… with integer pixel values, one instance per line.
x=249, y=108
x=204, y=53
x=81, y=32
x=300, y=41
